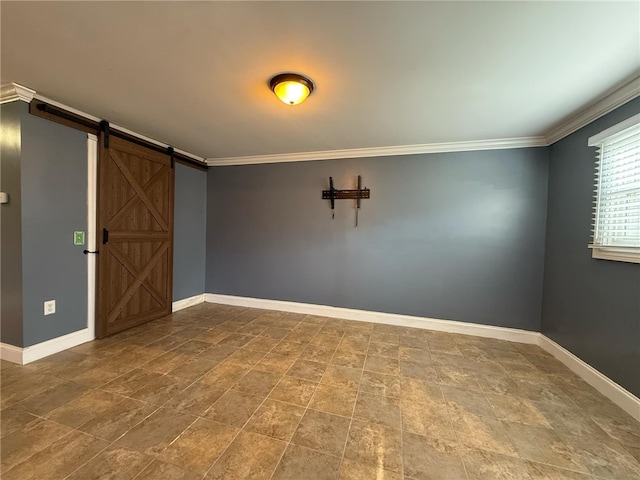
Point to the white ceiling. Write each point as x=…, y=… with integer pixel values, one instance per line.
x=195, y=75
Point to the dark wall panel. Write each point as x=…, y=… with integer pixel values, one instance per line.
x=456, y=236
x=591, y=307
x=189, y=248
x=54, y=205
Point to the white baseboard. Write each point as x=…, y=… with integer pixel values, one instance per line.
x=35, y=352
x=610, y=389
x=617, y=394
x=187, y=302
x=10, y=353
x=450, y=326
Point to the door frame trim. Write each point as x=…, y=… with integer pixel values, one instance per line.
x=92, y=226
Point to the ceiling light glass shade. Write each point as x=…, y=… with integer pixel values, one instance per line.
x=292, y=93
x=291, y=88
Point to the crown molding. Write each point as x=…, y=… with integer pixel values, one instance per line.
x=10, y=92
x=610, y=102
x=622, y=95
x=497, y=144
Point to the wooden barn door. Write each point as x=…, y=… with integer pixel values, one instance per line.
x=135, y=236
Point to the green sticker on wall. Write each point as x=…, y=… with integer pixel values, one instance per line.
x=78, y=238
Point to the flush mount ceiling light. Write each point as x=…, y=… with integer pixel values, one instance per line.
x=291, y=88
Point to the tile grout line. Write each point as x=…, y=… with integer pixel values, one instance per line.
x=163, y=405
x=158, y=407
x=137, y=475
x=359, y=392
x=448, y=409
x=502, y=422
x=449, y=415
x=402, y=412
x=47, y=446
x=241, y=429
x=402, y=430
x=355, y=403
x=94, y=456
x=306, y=408
x=77, y=430
x=112, y=443
x=197, y=417
x=226, y=391
x=153, y=457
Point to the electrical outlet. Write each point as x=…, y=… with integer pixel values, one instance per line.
x=49, y=307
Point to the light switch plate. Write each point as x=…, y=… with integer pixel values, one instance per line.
x=78, y=238
x=49, y=307
x=4, y=197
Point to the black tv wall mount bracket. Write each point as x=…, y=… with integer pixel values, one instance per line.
x=334, y=194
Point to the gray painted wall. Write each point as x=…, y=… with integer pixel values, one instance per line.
x=456, y=236
x=11, y=225
x=591, y=307
x=54, y=204
x=190, y=219
x=44, y=168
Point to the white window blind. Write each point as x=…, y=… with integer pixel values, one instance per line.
x=616, y=213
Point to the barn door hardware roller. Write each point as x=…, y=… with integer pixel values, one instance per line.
x=334, y=194
x=106, y=130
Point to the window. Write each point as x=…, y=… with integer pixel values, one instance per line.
x=616, y=214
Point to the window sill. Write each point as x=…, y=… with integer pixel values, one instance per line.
x=630, y=255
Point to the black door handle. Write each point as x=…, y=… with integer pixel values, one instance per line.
x=89, y=251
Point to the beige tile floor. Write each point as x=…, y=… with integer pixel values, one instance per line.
x=221, y=392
